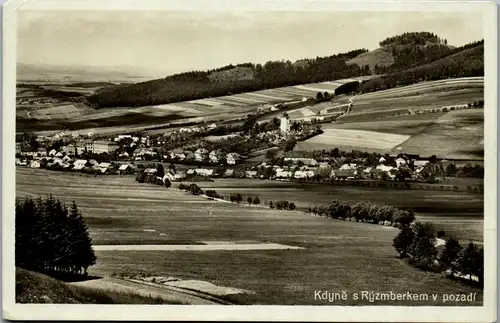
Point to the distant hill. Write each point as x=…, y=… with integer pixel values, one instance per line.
x=467, y=61
x=52, y=73
x=397, y=54
x=377, y=57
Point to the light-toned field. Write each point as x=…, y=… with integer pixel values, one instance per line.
x=456, y=134
x=66, y=111
x=337, y=255
x=403, y=125
x=421, y=96
x=353, y=139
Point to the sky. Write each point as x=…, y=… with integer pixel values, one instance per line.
x=166, y=42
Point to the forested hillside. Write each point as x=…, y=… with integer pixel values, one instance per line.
x=405, y=59
x=465, y=63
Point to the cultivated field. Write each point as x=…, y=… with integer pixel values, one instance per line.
x=210, y=109
x=352, y=139
x=422, y=96
x=337, y=255
x=457, y=134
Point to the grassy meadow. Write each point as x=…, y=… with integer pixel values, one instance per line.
x=338, y=255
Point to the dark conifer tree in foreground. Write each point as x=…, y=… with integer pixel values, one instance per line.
x=51, y=238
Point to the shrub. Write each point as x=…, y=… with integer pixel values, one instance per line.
x=256, y=200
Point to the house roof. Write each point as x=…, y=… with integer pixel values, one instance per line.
x=150, y=170
x=123, y=167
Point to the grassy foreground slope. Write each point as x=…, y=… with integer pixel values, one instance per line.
x=32, y=287
x=338, y=255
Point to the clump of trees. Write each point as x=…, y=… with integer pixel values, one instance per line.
x=212, y=193
x=236, y=198
x=192, y=188
x=416, y=243
x=365, y=212
x=52, y=237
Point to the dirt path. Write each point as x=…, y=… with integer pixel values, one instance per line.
x=194, y=247
x=171, y=294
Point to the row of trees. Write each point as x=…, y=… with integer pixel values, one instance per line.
x=364, y=212
x=52, y=237
x=282, y=205
x=416, y=243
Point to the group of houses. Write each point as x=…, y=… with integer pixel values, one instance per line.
x=66, y=162
x=203, y=155
x=73, y=149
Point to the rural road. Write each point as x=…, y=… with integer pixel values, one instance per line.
x=168, y=293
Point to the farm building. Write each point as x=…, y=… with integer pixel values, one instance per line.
x=306, y=161
x=381, y=160
x=228, y=173
x=150, y=171
x=93, y=162
x=232, y=158
x=42, y=152
x=281, y=173
x=204, y=171
x=344, y=173
x=59, y=154
x=301, y=174
x=104, y=167
x=168, y=176
x=66, y=159
x=69, y=150
x=214, y=156
x=35, y=164
x=420, y=163
x=125, y=168
x=200, y=153
x=79, y=164
x=250, y=173
x=400, y=162
x=179, y=176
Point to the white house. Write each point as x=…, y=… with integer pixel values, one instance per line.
x=382, y=160
x=103, y=167
x=400, y=162
x=199, y=154
x=214, y=156
x=35, y=164
x=232, y=158
x=53, y=152
x=285, y=124
x=168, y=176
x=59, y=154
x=250, y=173
x=204, y=171
x=79, y=164
x=303, y=174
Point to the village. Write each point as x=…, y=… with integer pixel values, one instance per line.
x=131, y=154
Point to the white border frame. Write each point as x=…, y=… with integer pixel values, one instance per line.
x=11, y=310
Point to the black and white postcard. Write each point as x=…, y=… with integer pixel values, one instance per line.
x=249, y=160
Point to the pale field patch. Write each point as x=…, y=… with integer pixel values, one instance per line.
x=357, y=139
